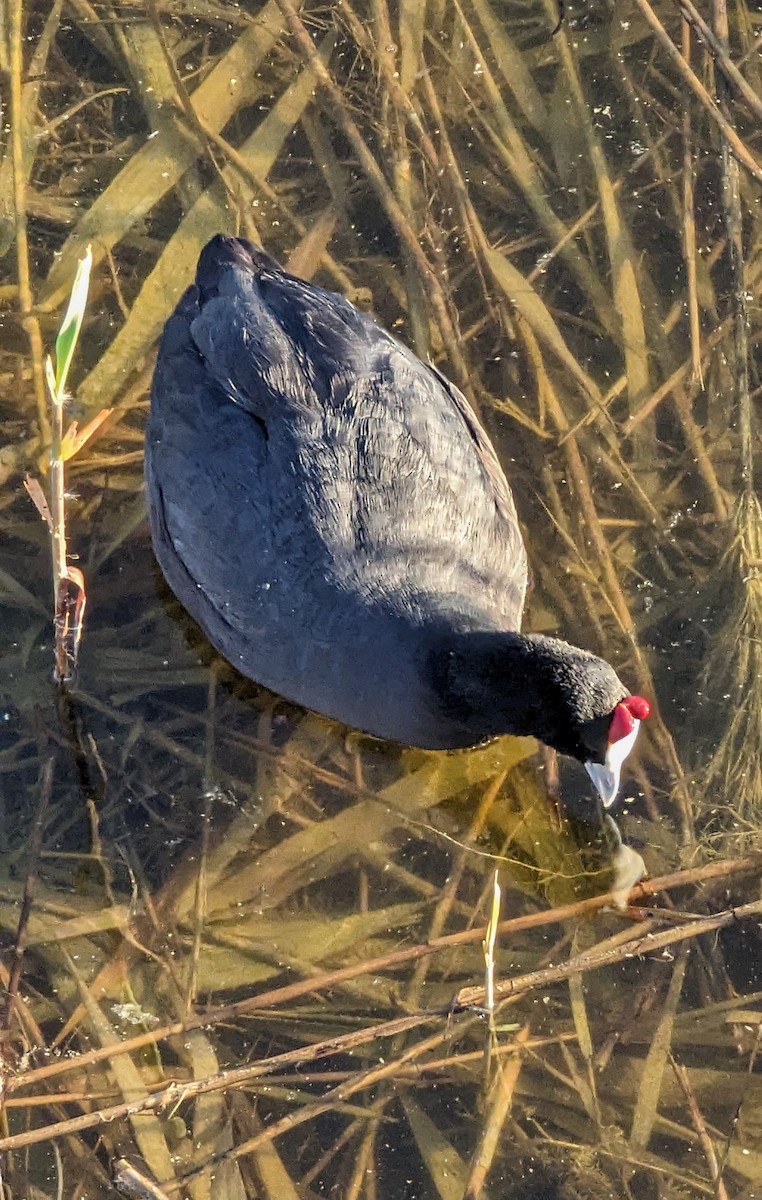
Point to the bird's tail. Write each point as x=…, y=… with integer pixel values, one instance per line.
x=223, y=253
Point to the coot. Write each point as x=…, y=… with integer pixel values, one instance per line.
x=332, y=514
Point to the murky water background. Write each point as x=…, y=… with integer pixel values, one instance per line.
x=252, y=943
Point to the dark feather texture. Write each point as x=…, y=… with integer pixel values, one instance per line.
x=331, y=512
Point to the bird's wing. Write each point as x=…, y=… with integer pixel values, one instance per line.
x=432, y=513
x=401, y=491
x=489, y=461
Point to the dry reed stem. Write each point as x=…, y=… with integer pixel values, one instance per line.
x=652, y=403
x=348, y=1135
x=737, y=659
x=183, y=98
x=510, y=145
x=615, y=594
x=737, y=147
x=650, y=1088
x=26, y=302
x=358, y=1082
x=381, y=187
x=145, y=1126
x=619, y=247
x=150, y=173
x=500, y=1103
x=582, y=487
x=586, y=1085
x=735, y=670
x=467, y=999
x=27, y=899
x=510, y=62
x=717, y=47
x=177, y=1093
x=689, y=224
x=506, y=1049
x=382, y=58
x=449, y=892
x=592, y=416
x=33, y=1037
x=699, y=1124
x=469, y=218
x=709, y=872
x=363, y=1170
x=731, y=193
x=696, y=445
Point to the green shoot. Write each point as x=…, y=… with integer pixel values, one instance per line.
x=69, y=595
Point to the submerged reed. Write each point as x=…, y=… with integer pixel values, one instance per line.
x=260, y=947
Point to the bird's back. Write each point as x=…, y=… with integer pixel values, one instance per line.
x=320, y=499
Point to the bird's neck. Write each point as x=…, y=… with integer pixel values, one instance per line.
x=494, y=683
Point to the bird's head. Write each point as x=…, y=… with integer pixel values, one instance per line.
x=582, y=708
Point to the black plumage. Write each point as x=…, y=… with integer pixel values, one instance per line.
x=333, y=515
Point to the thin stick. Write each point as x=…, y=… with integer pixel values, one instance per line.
x=509, y=989
x=449, y=892
x=705, y=1141
x=385, y=62
x=654, y=400
x=719, y=870
x=500, y=1102
x=200, y=898
x=175, y=1093
x=359, y=1081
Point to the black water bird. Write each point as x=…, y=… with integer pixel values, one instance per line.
x=330, y=511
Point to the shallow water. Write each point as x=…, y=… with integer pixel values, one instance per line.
x=205, y=879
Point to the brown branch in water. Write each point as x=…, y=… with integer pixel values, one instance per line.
x=508, y=990
x=715, y=871
x=358, y=1081
x=176, y=1093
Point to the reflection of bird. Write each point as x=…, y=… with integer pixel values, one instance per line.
x=332, y=514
